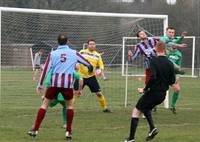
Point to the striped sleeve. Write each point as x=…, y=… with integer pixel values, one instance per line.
x=45, y=71
x=82, y=60
x=156, y=40
x=137, y=52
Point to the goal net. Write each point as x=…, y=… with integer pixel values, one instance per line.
x=25, y=29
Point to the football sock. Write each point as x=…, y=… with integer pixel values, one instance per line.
x=102, y=102
x=40, y=116
x=133, y=127
x=74, y=99
x=70, y=115
x=148, y=116
x=174, y=99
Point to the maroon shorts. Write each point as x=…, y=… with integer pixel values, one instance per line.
x=147, y=76
x=52, y=93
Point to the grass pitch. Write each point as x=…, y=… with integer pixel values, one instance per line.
x=19, y=105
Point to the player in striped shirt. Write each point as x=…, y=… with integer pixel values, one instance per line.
x=60, y=100
x=146, y=47
x=62, y=62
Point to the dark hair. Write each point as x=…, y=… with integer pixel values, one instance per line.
x=90, y=40
x=62, y=39
x=170, y=27
x=137, y=34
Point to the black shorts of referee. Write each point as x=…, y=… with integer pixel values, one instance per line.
x=149, y=100
x=92, y=83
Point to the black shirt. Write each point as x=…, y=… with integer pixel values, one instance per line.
x=161, y=74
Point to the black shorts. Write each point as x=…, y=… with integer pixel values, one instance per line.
x=92, y=83
x=149, y=100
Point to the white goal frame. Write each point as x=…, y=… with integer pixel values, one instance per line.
x=79, y=13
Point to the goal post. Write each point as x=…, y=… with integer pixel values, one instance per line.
x=32, y=59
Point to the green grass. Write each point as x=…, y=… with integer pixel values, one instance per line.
x=19, y=106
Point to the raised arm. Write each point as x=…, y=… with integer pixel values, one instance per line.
x=136, y=53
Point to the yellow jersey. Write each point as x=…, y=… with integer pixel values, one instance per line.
x=95, y=60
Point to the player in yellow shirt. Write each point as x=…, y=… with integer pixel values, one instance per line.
x=89, y=79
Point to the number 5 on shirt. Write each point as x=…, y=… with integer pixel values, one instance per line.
x=63, y=58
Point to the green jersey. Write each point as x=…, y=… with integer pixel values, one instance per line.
x=48, y=82
x=76, y=76
x=165, y=39
x=175, y=56
x=177, y=40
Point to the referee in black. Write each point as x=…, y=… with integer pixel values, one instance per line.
x=161, y=76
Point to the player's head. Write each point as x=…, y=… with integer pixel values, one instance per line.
x=41, y=51
x=170, y=32
x=91, y=44
x=62, y=39
x=160, y=48
x=141, y=35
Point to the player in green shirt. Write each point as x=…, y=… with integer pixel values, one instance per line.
x=171, y=40
x=60, y=99
x=175, y=56
x=176, y=40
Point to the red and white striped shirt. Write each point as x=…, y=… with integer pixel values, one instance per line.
x=62, y=63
